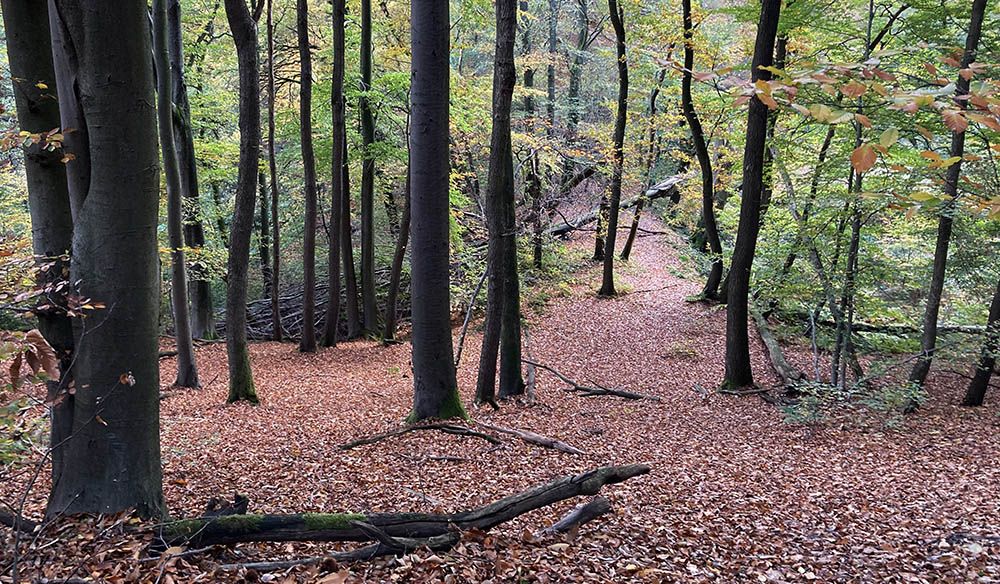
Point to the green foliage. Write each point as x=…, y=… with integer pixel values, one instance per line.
x=878, y=406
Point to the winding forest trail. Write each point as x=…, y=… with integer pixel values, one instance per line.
x=735, y=493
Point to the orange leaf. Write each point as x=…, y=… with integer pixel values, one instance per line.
x=863, y=158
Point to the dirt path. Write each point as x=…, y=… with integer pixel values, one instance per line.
x=735, y=494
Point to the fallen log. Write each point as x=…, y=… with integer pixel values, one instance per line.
x=666, y=188
x=789, y=375
x=443, y=427
x=533, y=438
x=230, y=529
x=596, y=389
x=579, y=515
x=17, y=523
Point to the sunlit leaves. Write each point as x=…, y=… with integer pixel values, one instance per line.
x=864, y=158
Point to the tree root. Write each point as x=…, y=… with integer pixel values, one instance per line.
x=443, y=427
x=579, y=515
x=596, y=389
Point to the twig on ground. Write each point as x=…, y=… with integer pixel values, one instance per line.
x=443, y=427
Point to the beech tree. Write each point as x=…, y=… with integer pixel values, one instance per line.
x=617, y=154
x=272, y=165
x=435, y=390
x=976, y=391
x=502, y=304
x=202, y=312
x=738, y=370
x=928, y=339
x=29, y=51
x=308, y=342
x=187, y=371
x=368, y=309
x=243, y=25
x=110, y=458
x=338, y=192
x=711, y=289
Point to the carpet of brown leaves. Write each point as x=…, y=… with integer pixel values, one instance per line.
x=735, y=494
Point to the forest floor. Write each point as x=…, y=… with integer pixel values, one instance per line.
x=735, y=493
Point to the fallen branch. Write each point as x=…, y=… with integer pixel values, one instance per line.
x=667, y=188
x=400, y=545
x=789, y=375
x=581, y=514
x=443, y=427
x=596, y=389
x=342, y=526
x=17, y=523
x=533, y=438
x=744, y=392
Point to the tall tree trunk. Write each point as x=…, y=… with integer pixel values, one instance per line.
x=202, y=313
x=550, y=68
x=618, y=155
x=435, y=390
x=928, y=339
x=369, y=309
x=307, y=344
x=396, y=271
x=711, y=289
x=29, y=51
x=738, y=370
x=651, y=155
x=272, y=166
x=576, y=67
x=780, y=53
x=111, y=457
x=244, y=30
x=502, y=320
x=187, y=371
x=264, y=235
x=338, y=161
x=347, y=251
x=976, y=391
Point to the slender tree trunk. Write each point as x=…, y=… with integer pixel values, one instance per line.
x=618, y=155
x=308, y=342
x=576, y=68
x=928, y=339
x=338, y=161
x=435, y=390
x=499, y=187
x=29, y=51
x=780, y=53
x=264, y=235
x=347, y=251
x=244, y=30
x=550, y=68
x=202, y=313
x=187, y=371
x=111, y=457
x=711, y=289
x=396, y=271
x=650, y=164
x=369, y=309
x=976, y=391
x=532, y=176
x=738, y=370
x=272, y=166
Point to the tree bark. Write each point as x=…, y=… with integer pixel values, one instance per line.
x=202, y=314
x=738, y=370
x=29, y=51
x=976, y=391
x=338, y=162
x=244, y=29
x=111, y=458
x=347, y=253
x=369, y=310
x=435, y=390
x=618, y=155
x=272, y=167
x=187, y=370
x=307, y=344
x=396, y=271
x=651, y=155
x=264, y=234
x=499, y=205
x=929, y=338
x=709, y=224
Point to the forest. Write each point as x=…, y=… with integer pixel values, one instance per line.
x=510, y=291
